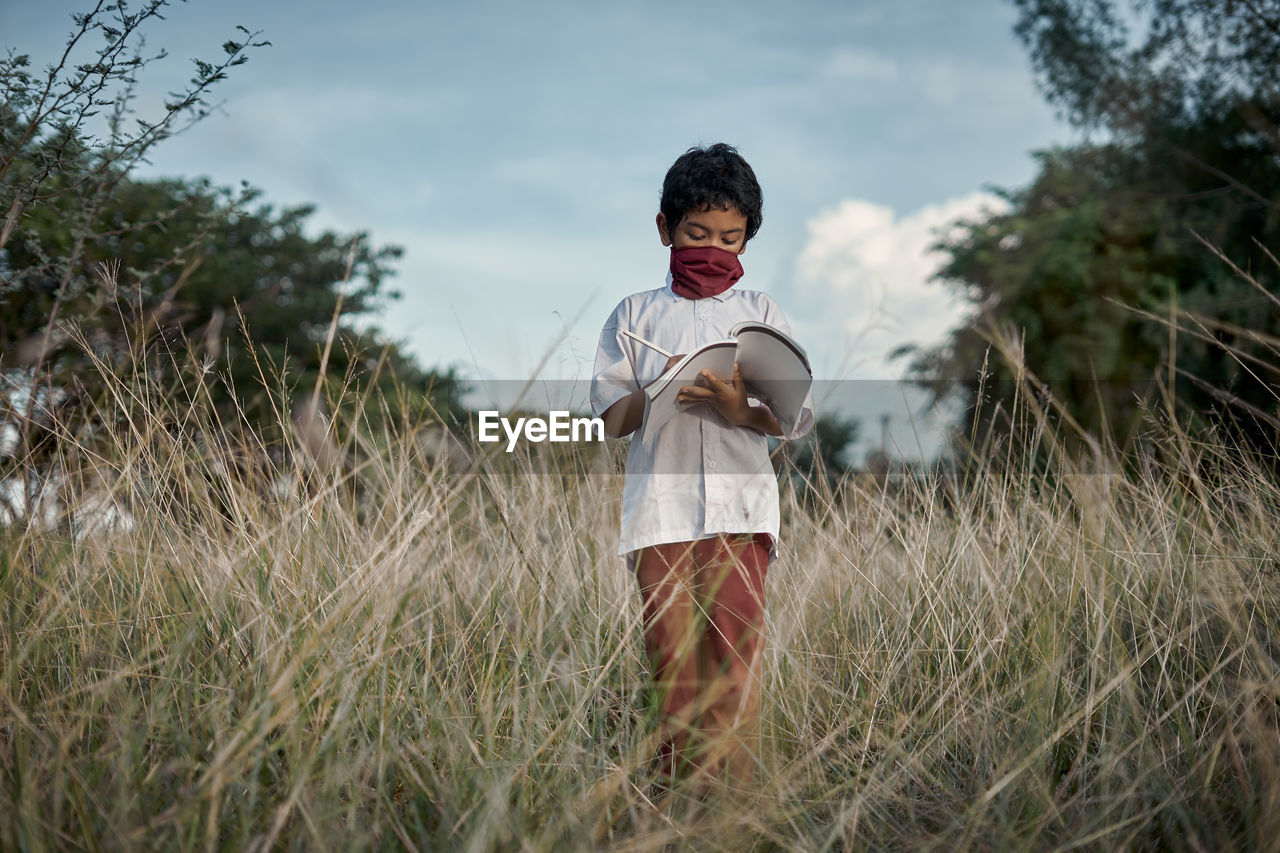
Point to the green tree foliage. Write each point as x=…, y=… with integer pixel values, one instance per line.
x=73, y=130
x=1105, y=271
x=1130, y=67
x=172, y=280
x=179, y=275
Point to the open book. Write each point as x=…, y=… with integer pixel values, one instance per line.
x=774, y=368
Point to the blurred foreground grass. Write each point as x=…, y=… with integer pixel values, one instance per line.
x=201, y=654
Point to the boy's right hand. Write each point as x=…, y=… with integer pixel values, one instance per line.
x=624, y=417
x=671, y=362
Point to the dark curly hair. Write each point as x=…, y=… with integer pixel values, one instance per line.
x=715, y=177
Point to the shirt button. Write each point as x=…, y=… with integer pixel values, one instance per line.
x=711, y=464
x=702, y=316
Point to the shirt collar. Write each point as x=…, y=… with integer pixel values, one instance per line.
x=719, y=297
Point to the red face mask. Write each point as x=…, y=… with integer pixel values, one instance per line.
x=701, y=271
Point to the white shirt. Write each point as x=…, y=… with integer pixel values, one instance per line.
x=699, y=476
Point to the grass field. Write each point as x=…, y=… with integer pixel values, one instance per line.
x=1055, y=656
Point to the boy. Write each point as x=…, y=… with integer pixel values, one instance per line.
x=700, y=501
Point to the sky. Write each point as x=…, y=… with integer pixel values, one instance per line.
x=516, y=151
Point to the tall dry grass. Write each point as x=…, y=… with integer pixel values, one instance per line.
x=395, y=653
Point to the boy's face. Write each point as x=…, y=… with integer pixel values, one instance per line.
x=724, y=229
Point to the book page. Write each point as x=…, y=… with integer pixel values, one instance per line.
x=662, y=405
x=774, y=367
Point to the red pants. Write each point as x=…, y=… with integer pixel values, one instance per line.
x=704, y=633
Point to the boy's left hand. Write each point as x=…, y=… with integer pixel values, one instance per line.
x=727, y=398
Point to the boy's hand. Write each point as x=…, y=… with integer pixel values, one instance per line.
x=730, y=400
x=671, y=362
x=727, y=398
x=625, y=416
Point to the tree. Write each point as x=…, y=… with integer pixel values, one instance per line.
x=62, y=160
x=179, y=272
x=177, y=280
x=1100, y=270
x=55, y=142
x=1195, y=58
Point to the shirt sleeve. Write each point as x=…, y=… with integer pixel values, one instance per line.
x=774, y=317
x=615, y=375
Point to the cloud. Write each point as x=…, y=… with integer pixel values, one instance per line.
x=852, y=64
x=865, y=272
